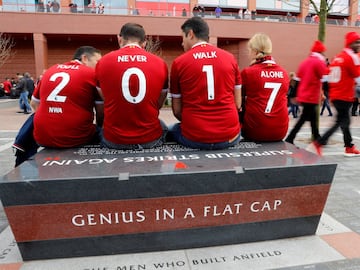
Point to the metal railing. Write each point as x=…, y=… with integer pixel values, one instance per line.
x=169, y=12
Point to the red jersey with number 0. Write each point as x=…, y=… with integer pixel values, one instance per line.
x=344, y=68
x=131, y=80
x=205, y=78
x=265, y=86
x=67, y=94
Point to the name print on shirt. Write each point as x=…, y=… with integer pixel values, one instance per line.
x=272, y=74
x=202, y=55
x=132, y=58
x=62, y=66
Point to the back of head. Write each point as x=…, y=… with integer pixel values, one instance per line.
x=87, y=50
x=261, y=44
x=198, y=26
x=132, y=32
x=350, y=38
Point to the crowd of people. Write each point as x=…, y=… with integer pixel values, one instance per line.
x=15, y=86
x=216, y=104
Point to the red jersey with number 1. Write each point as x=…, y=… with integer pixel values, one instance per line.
x=265, y=86
x=131, y=80
x=67, y=94
x=205, y=78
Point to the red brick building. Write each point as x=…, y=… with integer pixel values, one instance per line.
x=43, y=39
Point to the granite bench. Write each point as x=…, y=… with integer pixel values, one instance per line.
x=96, y=201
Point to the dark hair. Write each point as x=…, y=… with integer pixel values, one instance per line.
x=133, y=31
x=198, y=26
x=87, y=50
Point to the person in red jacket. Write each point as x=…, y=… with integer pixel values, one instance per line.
x=311, y=72
x=344, y=73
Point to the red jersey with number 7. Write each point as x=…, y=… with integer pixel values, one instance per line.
x=265, y=87
x=67, y=94
x=205, y=78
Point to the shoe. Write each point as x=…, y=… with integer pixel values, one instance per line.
x=351, y=151
x=289, y=141
x=315, y=148
x=27, y=112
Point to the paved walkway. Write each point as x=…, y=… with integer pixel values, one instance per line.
x=336, y=244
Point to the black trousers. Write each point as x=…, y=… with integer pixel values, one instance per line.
x=342, y=121
x=309, y=113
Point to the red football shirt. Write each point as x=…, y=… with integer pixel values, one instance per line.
x=343, y=70
x=131, y=80
x=67, y=94
x=205, y=78
x=265, y=86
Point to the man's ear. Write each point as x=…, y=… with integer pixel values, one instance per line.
x=143, y=45
x=84, y=59
x=191, y=34
x=119, y=38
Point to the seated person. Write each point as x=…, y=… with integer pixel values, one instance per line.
x=264, y=86
x=205, y=87
x=134, y=84
x=64, y=102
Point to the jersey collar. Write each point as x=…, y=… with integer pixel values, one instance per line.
x=199, y=43
x=132, y=45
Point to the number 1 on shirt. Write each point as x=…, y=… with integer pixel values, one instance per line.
x=208, y=69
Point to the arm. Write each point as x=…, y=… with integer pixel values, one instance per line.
x=162, y=98
x=100, y=92
x=238, y=97
x=176, y=107
x=34, y=104
x=99, y=113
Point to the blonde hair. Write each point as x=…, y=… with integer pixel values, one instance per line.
x=261, y=44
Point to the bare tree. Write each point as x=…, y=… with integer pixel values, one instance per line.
x=153, y=45
x=6, y=45
x=322, y=11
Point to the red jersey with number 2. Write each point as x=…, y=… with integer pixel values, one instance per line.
x=67, y=94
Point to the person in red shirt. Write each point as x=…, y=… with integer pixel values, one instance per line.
x=264, y=86
x=64, y=102
x=205, y=86
x=7, y=86
x=310, y=75
x=344, y=73
x=134, y=84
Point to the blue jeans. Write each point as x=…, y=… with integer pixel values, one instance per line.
x=175, y=132
x=158, y=142
x=24, y=101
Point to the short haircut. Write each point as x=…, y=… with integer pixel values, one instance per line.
x=198, y=26
x=131, y=31
x=87, y=50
